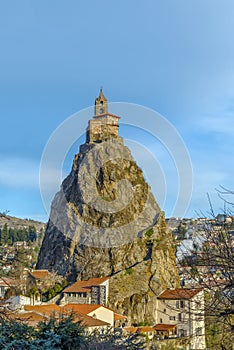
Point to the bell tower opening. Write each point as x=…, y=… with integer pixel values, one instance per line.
x=101, y=104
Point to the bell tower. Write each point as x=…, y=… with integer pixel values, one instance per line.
x=101, y=104
x=104, y=125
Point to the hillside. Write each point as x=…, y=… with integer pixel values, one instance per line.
x=17, y=223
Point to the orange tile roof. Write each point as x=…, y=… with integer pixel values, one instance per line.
x=39, y=274
x=145, y=329
x=85, y=286
x=48, y=310
x=8, y=282
x=96, y=281
x=164, y=327
x=87, y=308
x=88, y=321
x=131, y=329
x=82, y=308
x=32, y=318
x=119, y=317
x=179, y=293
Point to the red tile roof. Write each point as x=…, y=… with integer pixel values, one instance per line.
x=8, y=282
x=179, y=293
x=79, y=311
x=119, y=317
x=39, y=274
x=145, y=329
x=82, y=308
x=131, y=329
x=164, y=327
x=85, y=286
x=48, y=310
x=45, y=311
x=87, y=308
x=142, y=329
x=88, y=321
x=31, y=318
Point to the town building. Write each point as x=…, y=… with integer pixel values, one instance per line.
x=97, y=316
x=7, y=283
x=183, y=308
x=92, y=291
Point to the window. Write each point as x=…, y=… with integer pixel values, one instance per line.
x=183, y=332
x=198, y=331
x=165, y=310
x=179, y=317
x=182, y=304
x=161, y=321
x=172, y=318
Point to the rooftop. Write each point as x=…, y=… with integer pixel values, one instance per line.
x=39, y=274
x=48, y=310
x=84, y=286
x=179, y=293
x=32, y=318
x=164, y=327
x=8, y=282
x=145, y=329
x=35, y=314
x=83, y=308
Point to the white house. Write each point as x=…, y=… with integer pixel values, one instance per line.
x=184, y=307
x=100, y=312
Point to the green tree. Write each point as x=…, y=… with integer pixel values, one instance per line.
x=63, y=334
x=4, y=234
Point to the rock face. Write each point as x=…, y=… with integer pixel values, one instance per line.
x=105, y=222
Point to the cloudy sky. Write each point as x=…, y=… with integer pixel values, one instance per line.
x=175, y=57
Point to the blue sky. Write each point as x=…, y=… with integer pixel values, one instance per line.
x=175, y=57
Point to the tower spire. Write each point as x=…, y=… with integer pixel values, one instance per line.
x=101, y=104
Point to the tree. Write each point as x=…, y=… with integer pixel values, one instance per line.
x=62, y=333
x=212, y=266
x=107, y=340
x=4, y=234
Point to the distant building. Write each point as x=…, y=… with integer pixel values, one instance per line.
x=7, y=283
x=18, y=302
x=36, y=278
x=184, y=308
x=92, y=317
x=92, y=291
